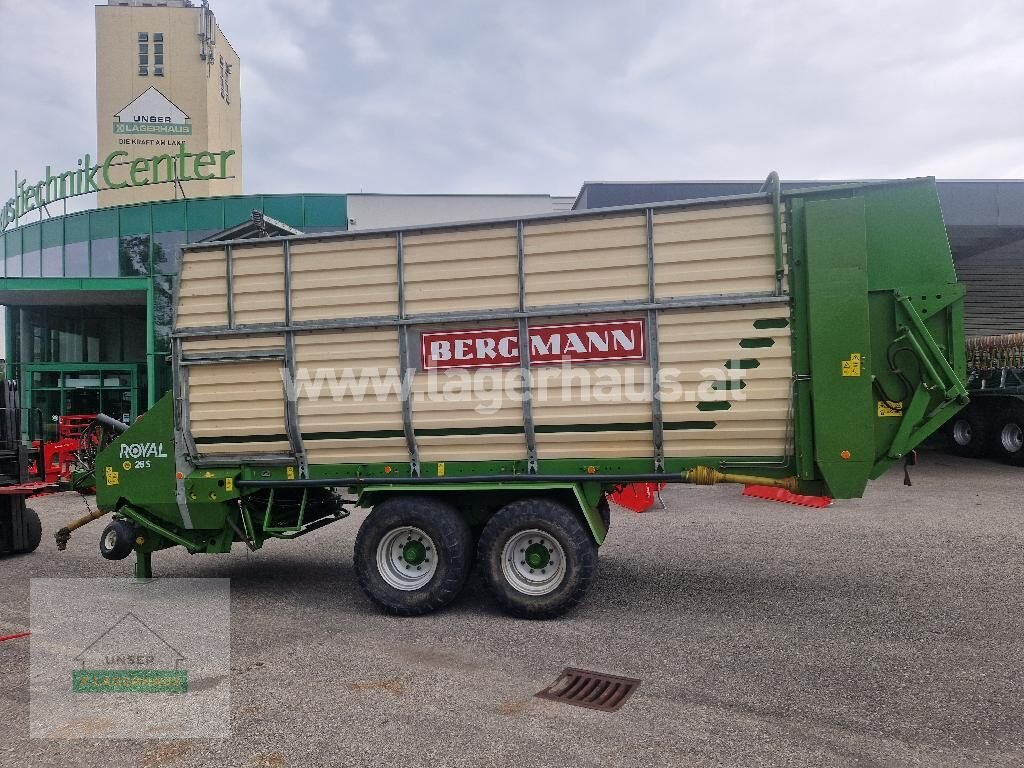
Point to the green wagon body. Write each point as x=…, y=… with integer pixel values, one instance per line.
x=808, y=340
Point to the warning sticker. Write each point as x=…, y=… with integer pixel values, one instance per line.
x=890, y=409
x=112, y=477
x=851, y=367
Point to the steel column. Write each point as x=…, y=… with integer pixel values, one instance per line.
x=654, y=358
x=524, y=353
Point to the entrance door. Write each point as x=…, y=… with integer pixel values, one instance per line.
x=66, y=389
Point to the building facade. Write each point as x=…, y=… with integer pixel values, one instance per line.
x=168, y=106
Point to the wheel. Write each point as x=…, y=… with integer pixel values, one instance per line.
x=413, y=554
x=965, y=434
x=538, y=558
x=117, y=540
x=1009, y=435
x=33, y=530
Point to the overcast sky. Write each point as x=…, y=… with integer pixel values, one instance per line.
x=517, y=96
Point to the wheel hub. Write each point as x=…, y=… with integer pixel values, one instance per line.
x=533, y=562
x=406, y=558
x=414, y=552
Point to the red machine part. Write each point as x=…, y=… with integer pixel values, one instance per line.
x=58, y=455
x=637, y=497
x=786, y=497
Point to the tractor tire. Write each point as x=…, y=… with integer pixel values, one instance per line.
x=966, y=434
x=413, y=554
x=538, y=558
x=33, y=530
x=1008, y=437
x=117, y=540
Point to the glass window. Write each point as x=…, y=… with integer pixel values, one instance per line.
x=3, y=249
x=13, y=253
x=104, y=257
x=163, y=312
x=143, y=37
x=143, y=49
x=31, y=244
x=143, y=71
x=103, y=234
x=158, y=59
x=76, y=259
x=167, y=251
x=133, y=255
x=76, y=245
x=53, y=248
x=158, y=37
x=158, y=71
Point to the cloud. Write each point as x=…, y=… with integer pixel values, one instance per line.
x=454, y=96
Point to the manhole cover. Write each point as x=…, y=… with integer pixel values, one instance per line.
x=593, y=690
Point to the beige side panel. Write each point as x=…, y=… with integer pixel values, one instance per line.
x=258, y=279
x=237, y=400
x=352, y=382
x=695, y=349
x=357, y=450
x=344, y=278
x=569, y=445
x=479, y=398
x=233, y=343
x=461, y=271
x=472, y=447
x=590, y=260
x=714, y=251
x=202, y=291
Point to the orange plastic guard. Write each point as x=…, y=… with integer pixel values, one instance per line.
x=787, y=497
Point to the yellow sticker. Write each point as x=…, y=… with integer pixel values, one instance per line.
x=112, y=477
x=291, y=473
x=229, y=484
x=890, y=409
x=440, y=469
x=127, y=466
x=851, y=367
x=208, y=475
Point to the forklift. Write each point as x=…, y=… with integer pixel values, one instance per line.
x=20, y=527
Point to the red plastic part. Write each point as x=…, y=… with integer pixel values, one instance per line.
x=637, y=497
x=787, y=497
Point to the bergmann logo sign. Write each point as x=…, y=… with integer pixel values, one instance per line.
x=152, y=112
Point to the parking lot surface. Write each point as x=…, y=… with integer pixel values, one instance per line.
x=883, y=631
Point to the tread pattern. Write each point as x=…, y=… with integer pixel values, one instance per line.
x=450, y=533
x=572, y=534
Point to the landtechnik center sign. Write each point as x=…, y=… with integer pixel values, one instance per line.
x=115, y=172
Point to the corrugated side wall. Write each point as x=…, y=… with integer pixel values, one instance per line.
x=725, y=372
x=995, y=284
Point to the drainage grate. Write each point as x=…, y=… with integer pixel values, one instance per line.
x=593, y=690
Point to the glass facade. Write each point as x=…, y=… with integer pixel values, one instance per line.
x=105, y=346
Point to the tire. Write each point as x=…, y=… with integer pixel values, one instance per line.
x=1008, y=437
x=537, y=524
x=33, y=530
x=413, y=554
x=966, y=434
x=117, y=540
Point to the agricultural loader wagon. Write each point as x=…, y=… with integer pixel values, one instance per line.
x=482, y=386
x=993, y=424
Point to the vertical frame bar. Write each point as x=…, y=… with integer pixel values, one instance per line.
x=403, y=364
x=229, y=276
x=291, y=410
x=653, y=352
x=524, y=353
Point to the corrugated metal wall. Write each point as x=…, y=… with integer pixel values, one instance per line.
x=995, y=290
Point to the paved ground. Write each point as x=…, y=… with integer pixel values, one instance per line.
x=886, y=631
